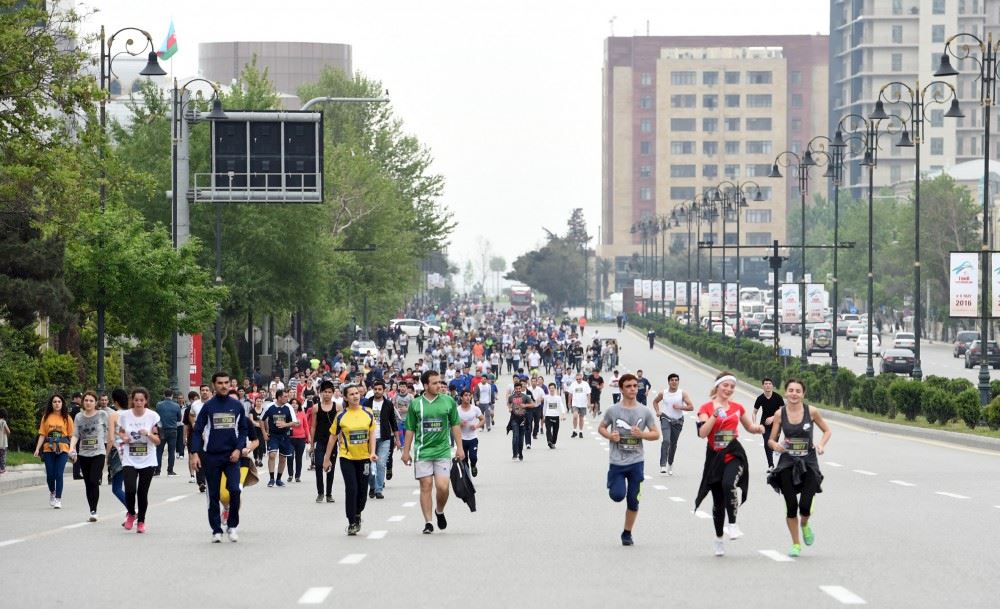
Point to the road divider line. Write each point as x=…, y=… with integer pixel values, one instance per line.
x=660, y=487
x=177, y=498
x=10, y=542
x=315, y=596
x=410, y=504
x=843, y=595
x=681, y=500
x=901, y=483
x=702, y=515
x=352, y=559
x=377, y=534
x=864, y=472
x=396, y=518
x=952, y=495
x=832, y=464
x=416, y=491
x=776, y=556
x=76, y=526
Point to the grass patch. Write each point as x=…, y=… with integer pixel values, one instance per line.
x=15, y=457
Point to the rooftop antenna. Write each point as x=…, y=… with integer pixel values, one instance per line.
x=611, y=24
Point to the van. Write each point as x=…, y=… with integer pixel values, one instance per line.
x=819, y=339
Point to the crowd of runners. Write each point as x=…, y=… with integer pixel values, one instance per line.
x=484, y=369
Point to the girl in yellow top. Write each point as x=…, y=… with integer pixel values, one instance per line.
x=54, y=434
x=354, y=429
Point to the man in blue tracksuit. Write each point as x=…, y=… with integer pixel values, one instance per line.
x=218, y=438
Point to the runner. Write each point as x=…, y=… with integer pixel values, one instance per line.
x=217, y=442
x=321, y=418
x=92, y=438
x=116, y=474
x=54, y=433
x=137, y=429
x=486, y=397
x=767, y=404
x=596, y=382
x=384, y=412
x=247, y=464
x=644, y=387
x=616, y=392
x=170, y=418
x=518, y=405
x=472, y=419
x=626, y=425
x=676, y=402
x=278, y=421
x=298, y=436
x=555, y=408
x=537, y=391
x=355, y=431
x=797, y=476
x=726, y=469
x=580, y=396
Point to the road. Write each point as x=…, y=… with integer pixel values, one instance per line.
x=902, y=523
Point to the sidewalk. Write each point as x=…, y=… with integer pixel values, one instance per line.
x=21, y=476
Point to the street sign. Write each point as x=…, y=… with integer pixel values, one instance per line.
x=784, y=352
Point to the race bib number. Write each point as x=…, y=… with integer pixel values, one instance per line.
x=797, y=447
x=723, y=438
x=140, y=449
x=279, y=418
x=223, y=420
x=629, y=443
x=433, y=425
x=359, y=436
x=88, y=442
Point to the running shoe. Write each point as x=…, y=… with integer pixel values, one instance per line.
x=289, y=478
x=93, y=517
x=734, y=532
x=216, y=537
x=795, y=550
x=298, y=479
x=171, y=473
x=442, y=522
x=388, y=474
x=233, y=535
x=57, y=503
x=129, y=521
x=319, y=498
x=52, y=499
x=528, y=446
x=514, y=458
x=521, y=457
x=379, y=496
x=201, y=488
x=551, y=445
x=720, y=547
x=353, y=528
x=140, y=527
x=371, y=493
x=670, y=471
x=279, y=482
x=807, y=535
x=192, y=480
x=428, y=528
x=329, y=499
x=627, y=538
x=475, y=471
x=573, y=435
x=270, y=483
x=663, y=470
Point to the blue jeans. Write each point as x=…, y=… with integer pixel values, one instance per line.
x=118, y=487
x=376, y=477
x=55, y=467
x=520, y=431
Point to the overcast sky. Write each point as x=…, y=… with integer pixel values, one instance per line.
x=507, y=95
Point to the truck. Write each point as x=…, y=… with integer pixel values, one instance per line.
x=521, y=299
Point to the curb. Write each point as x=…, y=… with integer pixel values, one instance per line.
x=938, y=435
x=12, y=481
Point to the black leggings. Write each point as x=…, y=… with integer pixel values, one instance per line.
x=551, y=429
x=794, y=505
x=355, y=487
x=137, y=483
x=320, y=452
x=295, y=461
x=92, y=469
x=726, y=495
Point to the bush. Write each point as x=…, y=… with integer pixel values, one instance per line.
x=907, y=397
x=992, y=414
x=880, y=400
x=938, y=382
x=994, y=389
x=843, y=384
x=58, y=371
x=862, y=395
x=957, y=386
x=967, y=407
x=939, y=406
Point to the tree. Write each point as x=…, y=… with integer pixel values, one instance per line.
x=557, y=268
x=498, y=264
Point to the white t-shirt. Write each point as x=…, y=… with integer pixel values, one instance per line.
x=554, y=405
x=377, y=407
x=669, y=401
x=139, y=452
x=534, y=359
x=581, y=394
x=615, y=388
x=196, y=408
x=485, y=391
x=468, y=419
x=538, y=394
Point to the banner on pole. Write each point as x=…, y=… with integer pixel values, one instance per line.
x=816, y=299
x=637, y=288
x=963, y=284
x=657, y=290
x=680, y=294
x=995, y=274
x=790, y=303
x=647, y=288
x=669, y=291
x=715, y=297
x=732, y=297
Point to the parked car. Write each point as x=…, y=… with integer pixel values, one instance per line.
x=718, y=328
x=899, y=361
x=361, y=348
x=819, y=339
x=962, y=342
x=861, y=345
x=904, y=340
x=766, y=331
x=751, y=326
x=855, y=330
x=974, y=358
x=412, y=326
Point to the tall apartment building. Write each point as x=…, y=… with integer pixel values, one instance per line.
x=876, y=42
x=684, y=113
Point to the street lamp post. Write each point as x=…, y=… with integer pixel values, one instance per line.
x=152, y=68
x=738, y=189
x=916, y=110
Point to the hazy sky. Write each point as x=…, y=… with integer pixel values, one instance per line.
x=506, y=95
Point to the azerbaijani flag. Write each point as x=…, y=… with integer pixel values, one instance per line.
x=169, y=46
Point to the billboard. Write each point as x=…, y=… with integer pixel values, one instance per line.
x=963, y=282
x=715, y=297
x=790, y=303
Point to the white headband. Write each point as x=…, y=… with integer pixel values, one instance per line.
x=724, y=379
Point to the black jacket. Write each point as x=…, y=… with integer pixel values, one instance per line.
x=715, y=466
x=461, y=483
x=388, y=421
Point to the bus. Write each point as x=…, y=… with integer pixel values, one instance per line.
x=521, y=299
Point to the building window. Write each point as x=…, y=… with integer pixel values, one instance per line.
x=758, y=170
x=758, y=216
x=937, y=33
x=732, y=78
x=646, y=102
x=758, y=101
x=645, y=194
x=646, y=171
x=682, y=124
x=937, y=145
x=796, y=124
x=732, y=101
x=897, y=62
x=732, y=124
x=682, y=193
x=759, y=239
x=937, y=118
x=732, y=147
x=758, y=124
x=897, y=7
x=759, y=78
x=683, y=78
x=759, y=147
x=937, y=7
x=796, y=100
x=683, y=171
x=683, y=101
x=646, y=79
x=710, y=101
x=710, y=78
x=645, y=147
x=710, y=148
x=682, y=147
x=960, y=145
x=765, y=193
x=709, y=125
x=897, y=34
x=895, y=174
x=646, y=125
x=732, y=172
x=795, y=77
x=709, y=171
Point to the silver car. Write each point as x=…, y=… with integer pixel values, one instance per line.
x=903, y=340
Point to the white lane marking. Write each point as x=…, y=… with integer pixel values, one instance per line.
x=416, y=491
x=377, y=534
x=832, y=464
x=410, y=504
x=178, y=498
x=952, y=495
x=843, y=595
x=607, y=449
x=776, y=556
x=864, y=472
x=75, y=526
x=9, y=542
x=315, y=596
x=352, y=559
x=901, y=483
x=701, y=514
x=660, y=487
x=396, y=518
x=677, y=499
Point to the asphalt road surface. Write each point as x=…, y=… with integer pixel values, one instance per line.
x=901, y=523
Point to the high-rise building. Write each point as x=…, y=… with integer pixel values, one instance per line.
x=683, y=114
x=876, y=42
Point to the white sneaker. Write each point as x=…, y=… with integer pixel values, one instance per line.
x=52, y=500
x=233, y=535
x=57, y=503
x=734, y=532
x=663, y=470
x=93, y=517
x=216, y=537
x=720, y=548
x=670, y=471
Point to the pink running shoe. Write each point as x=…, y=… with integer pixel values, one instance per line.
x=140, y=528
x=129, y=521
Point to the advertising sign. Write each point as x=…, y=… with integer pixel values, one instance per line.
x=816, y=299
x=194, y=357
x=790, y=303
x=657, y=290
x=963, y=284
x=637, y=289
x=680, y=294
x=670, y=291
x=715, y=297
x=732, y=297
x=647, y=288
x=995, y=274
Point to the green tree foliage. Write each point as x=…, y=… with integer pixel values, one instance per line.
x=557, y=268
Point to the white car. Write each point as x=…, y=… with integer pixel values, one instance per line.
x=361, y=348
x=861, y=345
x=855, y=330
x=904, y=340
x=412, y=326
x=766, y=331
x=717, y=328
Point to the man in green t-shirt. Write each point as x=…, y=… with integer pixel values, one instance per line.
x=431, y=422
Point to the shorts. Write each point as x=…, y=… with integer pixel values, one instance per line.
x=595, y=400
x=580, y=410
x=625, y=482
x=280, y=444
x=437, y=467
